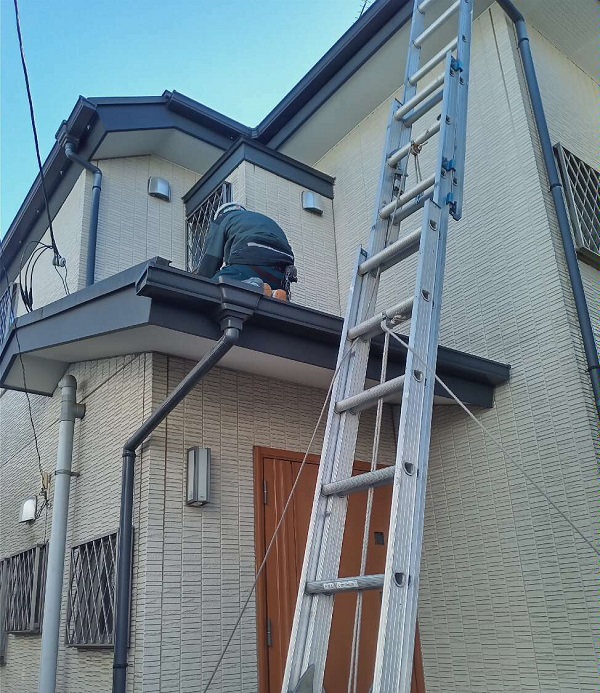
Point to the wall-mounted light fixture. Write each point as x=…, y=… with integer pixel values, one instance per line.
x=311, y=202
x=160, y=188
x=29, y=510
x=198, y=476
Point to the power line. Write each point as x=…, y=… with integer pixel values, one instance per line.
x=57, y=260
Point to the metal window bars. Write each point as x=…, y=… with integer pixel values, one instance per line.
x=582, y=191
x=23, y=580
x=6, y=307
x=91, y=598
x=3, y=593
x=198, y=222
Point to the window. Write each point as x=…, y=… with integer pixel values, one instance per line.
x=90, y=607
x=7, y=305
x=582, y=191
x=198, y=222
x=3, y=591
x=23, y=578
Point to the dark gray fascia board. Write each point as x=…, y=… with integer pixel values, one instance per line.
x=182, y=288
x=198, y=112
x=264, y=157
x=154, y=294
x=349, y=54
x=90, y=123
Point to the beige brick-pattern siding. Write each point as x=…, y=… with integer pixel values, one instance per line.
x=113, y=391
x=311, y=236
x=208, y=563
x=133, y=226
x=70, y=227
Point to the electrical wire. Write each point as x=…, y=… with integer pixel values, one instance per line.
x=20, y=356
x=33, y=126
x=493, y=438
x=57, y=260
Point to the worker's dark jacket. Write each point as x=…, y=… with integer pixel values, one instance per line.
x=244, y=238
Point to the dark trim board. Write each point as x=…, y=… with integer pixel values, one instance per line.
x=268, y=159
x=176, y=302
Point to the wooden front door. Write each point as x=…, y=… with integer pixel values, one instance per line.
x=275, y=472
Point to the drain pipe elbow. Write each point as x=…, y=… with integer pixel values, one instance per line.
x=581, y=305
x=231, y=332
x=90, y=267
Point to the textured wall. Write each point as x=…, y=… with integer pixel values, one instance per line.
x=114, y=391
x=197, y=585
x=311, y=236
x=70, y=228
x=507, y=597
x=133, y=226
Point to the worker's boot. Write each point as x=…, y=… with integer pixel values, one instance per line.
x=279, y=294
x=268, y=291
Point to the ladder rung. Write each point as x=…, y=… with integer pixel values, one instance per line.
x=420, y=96
x=401, y=249
x=424, y=5
x=372, y=326
x=430, y=64
x=391, y=207
x=436, y=24
x=399, y=154
x=351, y=584
x=411, y=208
x=367, y=398
x=360, y=482
x=413, y=116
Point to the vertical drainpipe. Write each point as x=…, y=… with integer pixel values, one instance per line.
x=69, y=411
x=581, y=305
x=96, y=189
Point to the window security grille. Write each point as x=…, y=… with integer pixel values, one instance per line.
x=6, y=307
x=198, y=222
x=582, y=191
x=90, y=608
x=3, y=593
x=25, y=576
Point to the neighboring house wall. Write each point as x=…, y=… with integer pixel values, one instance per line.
x=70, y=226
x=198, y=584
x=508, y=596
x=133, y=226
x=116, y=394
x=311, y=236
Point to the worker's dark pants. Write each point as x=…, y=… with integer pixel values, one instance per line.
x=273, y=276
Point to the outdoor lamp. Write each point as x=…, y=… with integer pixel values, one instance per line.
x=198, y=476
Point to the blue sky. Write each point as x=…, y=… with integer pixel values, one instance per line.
x=236, y=56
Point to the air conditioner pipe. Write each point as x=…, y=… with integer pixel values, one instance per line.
x=90, y=267
x=581, y=305
x=69, y=411
x=231, y=333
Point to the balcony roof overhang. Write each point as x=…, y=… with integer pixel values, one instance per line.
x=155, y=308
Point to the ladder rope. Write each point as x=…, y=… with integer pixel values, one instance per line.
x=493, y=438
x=354, y=661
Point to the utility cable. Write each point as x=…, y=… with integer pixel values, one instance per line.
x=493, y=438
x=57, y=260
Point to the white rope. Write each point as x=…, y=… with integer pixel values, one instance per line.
x=493, y=439
x=354, y=661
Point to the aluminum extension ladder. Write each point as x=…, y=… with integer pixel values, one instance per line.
x=439, y=195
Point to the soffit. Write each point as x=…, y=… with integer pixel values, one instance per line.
x=573, y=27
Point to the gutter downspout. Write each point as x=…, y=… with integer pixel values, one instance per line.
x=96, y=189
x=69, y=411
x=583, y=313
x=232, y=318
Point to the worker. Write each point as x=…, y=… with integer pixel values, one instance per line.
x=245, y=245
